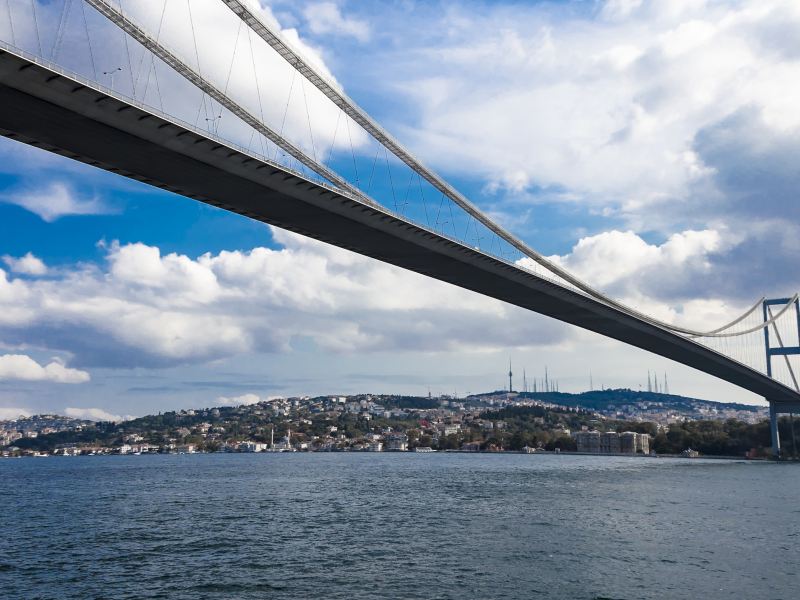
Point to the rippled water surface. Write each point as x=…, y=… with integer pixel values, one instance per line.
x=397, y=526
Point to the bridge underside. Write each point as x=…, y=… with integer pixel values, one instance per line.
x=61, y=115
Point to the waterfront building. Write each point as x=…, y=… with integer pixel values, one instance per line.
x=588, y=441
x=252, y=447
x=397, y=442
x=627, y=442
x=609, y=442
x=633, y=443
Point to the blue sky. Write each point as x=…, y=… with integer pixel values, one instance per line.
x=649, y=147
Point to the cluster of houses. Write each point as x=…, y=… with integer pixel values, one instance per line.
x=326, y=424
x=30, y=427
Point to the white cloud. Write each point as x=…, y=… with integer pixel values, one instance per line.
x=619, y=9
x=23, y=368
x=27, y=265
x=325, y=17
x=55, y=201
x=94, y=414
x=154, y=310
x=144, y=267
x=612, y=257
x=243, y=400
x=678, y=281
x=605, y=106
x=148, y=309
x=10, y=413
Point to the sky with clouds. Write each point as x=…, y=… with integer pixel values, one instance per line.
x=649, y=147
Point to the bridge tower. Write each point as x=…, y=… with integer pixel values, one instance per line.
x=780, y=350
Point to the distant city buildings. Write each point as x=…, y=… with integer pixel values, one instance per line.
x=32, y=427
x=523, y=421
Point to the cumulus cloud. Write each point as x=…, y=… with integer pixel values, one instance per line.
x=607, y=105
x=94, y=414
x=325, y=17
x=243, y=400
x=145, y=308
x=148, y=309
x=682, y=280
x=27, y=265
x=754, y=167
x=664, y=116
x=23, y=368
x=615, y=258
x=10, y=413
x=55, y=201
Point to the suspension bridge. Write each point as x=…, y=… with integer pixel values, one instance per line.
x=216, y=105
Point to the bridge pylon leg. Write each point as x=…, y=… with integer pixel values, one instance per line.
x=773, y=428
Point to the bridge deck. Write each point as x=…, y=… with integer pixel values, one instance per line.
x=52, y=111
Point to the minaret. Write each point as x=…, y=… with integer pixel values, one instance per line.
x=524, y=381
x=510, y=374
x=666, y=385
x=649, y=385
x=272, y=438
x=546, y=380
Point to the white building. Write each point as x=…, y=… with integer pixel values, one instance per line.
x=397, y=442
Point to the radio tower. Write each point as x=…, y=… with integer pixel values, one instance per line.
x=510, y=386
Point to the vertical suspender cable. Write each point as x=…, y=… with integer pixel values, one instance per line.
x=62, y=25
x=128, y=54
x=308, y=118
x=36, y=28
x=258, y=87
x=89, y=41
x=105, y=8
x=11, y=23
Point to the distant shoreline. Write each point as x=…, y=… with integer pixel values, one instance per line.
x=481, y=452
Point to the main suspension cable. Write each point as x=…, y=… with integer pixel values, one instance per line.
x=360, y=116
